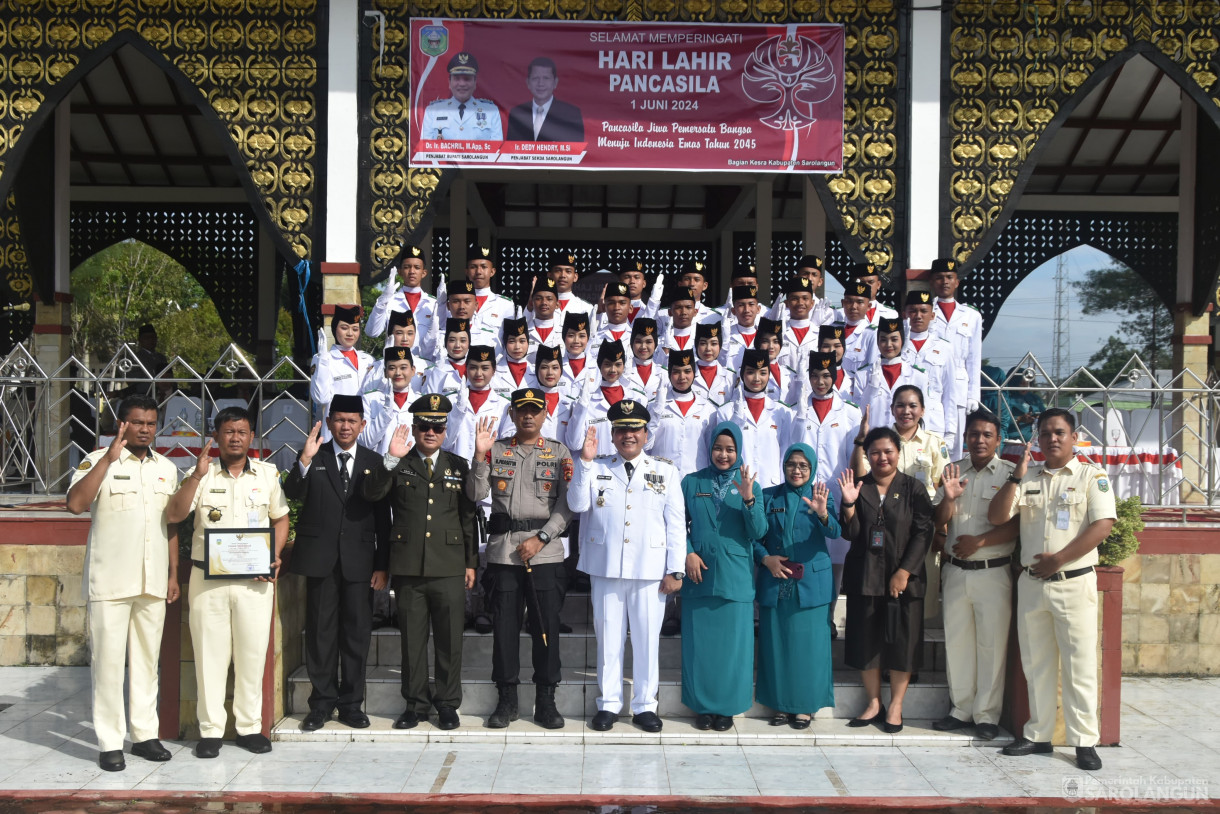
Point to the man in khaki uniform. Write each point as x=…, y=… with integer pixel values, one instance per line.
x=527, y=477
x=1066, y=509
x=131, y=571
x=231, y=618
x=977, y=582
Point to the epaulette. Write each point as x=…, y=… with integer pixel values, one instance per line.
x=872, y=327
x=850, y=403
x=971, y=307
x=662, y=460
x=917, y=367
x=605, y=457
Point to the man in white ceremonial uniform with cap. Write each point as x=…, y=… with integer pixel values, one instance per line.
x=633, y=547
x=462, y=116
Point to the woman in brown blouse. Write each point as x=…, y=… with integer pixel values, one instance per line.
x=887, y=517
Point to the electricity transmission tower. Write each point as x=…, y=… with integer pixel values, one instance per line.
x=1062, y=336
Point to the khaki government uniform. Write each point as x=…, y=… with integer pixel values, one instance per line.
x=1057, y=619
x=126, y=574
x=231, y=618
x=528, y=487
x=977, y=602
x=924, y=458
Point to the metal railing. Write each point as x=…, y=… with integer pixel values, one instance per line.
x=51, y=419
x=1158, y=436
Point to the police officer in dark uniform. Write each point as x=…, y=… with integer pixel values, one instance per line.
x=433, y=556
x=527, y=476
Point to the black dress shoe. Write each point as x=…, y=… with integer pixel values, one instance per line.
x=447, y=718
x=671, y=627
x=603, y=720
x=482, y=624
x=315, y=720
x=255, y=743
x=151, y=750
x=780, y=719
x=353, y=718
x=564, y=627
x=1087, y=759
x=704, y=721
x=949, y=723
x=891, y=729
x=112, y=761
x=409, y=720
x=722, y=723
x=207, y=748
x=1024, y=746
x=987, y=732
x=879, y=718
x=797, y=722
x=647, y=721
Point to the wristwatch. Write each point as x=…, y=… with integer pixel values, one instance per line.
x=1013, y=479
x=678, y=575
x=544, y=537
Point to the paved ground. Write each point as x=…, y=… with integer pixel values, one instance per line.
x=1171, y=749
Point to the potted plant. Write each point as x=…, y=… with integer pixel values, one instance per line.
x=1118, y=545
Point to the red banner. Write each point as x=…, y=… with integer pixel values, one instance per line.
x=598, y=96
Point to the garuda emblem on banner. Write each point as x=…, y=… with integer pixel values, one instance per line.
x=789, y=75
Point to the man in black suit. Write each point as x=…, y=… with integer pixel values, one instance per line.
x=544, y=118
x=342, y=549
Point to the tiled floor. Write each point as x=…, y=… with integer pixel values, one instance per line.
x=46, y=742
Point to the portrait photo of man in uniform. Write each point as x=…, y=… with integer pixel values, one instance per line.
x=462, y=116
x=545, y=118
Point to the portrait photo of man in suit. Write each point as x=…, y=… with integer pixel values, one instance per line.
x=544, y=118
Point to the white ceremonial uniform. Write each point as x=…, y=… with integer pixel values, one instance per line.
x=464, y=423
x=383, y=416
x=445, y=379
x=577, y=385
x=646, y=378
x=784, y=386
x=632, y=533
x=760, y=440
x=874, y=392
x=797, y=347
x=676, y=339
x=976, y=601
x=675, y=436
x=739, y=340
x=703, y=313
x=720, y=388
x=553, y=328
x=451, y=120
x=555, y=425
x=504, y=382
x=126, y=579
x=424, y=313
x=591, y=412
x=334, y=375
x=569, y=303
x=965, y=332
x=860, y=348
x=490, y=316
x=940, y=402
x=844, y=386
x=607, y=334
x=231, y=618
x=1057, y=619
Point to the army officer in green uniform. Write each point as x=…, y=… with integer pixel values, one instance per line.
x=433, y=556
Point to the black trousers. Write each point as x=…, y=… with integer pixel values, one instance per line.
x=434, y=605
x=508, y=595
x=338, y=629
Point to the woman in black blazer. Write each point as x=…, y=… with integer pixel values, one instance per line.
x=887, y=517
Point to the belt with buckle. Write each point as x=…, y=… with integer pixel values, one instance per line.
x=1059, y=576
x=502, y=523
x=978, y=565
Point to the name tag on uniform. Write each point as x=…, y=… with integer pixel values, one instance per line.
x=122, y=477
x=703, y=494
x=604, y=477
x=218, y=491
x=252, y=519
x=1061, y=519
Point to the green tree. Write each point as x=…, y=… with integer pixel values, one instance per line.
x=1146, y=325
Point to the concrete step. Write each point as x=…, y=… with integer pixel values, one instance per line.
x=579, y=649
x=746, y=731
x=576, y=696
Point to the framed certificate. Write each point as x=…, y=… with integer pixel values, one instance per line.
x=237, y=553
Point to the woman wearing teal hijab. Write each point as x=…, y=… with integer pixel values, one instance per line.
x=722, y=515
x=794, y=673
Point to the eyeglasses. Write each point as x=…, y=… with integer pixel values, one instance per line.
x=797, y=465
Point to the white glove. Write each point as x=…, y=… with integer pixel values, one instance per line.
x=323, y=341
x=391, y=285
x=971, y=406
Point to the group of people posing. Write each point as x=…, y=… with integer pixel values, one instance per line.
x=719, y=454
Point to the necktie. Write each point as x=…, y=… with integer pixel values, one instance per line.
x=630, y=467
x=344, y=478
x=461, y=110
x=428, y=467
x=538, y=118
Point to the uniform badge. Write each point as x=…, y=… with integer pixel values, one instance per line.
x=1103, y=484
x=214, y=516
x=601, y=497
x=566, y=464
x=501, y=485
x=85, y=465
x=546, y=487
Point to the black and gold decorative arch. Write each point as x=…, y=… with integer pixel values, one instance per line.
x=251, y=65
x=1015, y=69
x=866, y=203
